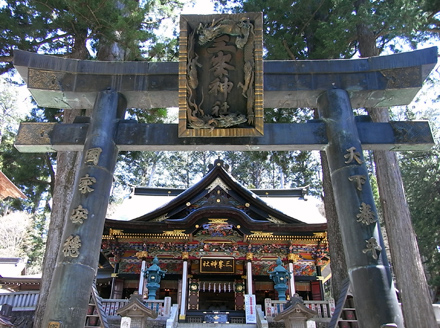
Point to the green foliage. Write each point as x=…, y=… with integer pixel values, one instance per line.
x=317, y=29
x=421, y=175
x=29, y=172
x=71, y=27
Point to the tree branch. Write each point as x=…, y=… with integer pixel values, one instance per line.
x=289, y=52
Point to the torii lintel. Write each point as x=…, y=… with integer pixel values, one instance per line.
x=371, y=82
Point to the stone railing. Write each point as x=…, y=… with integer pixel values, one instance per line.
x=162, y=307
x=172, y=321
x=20, y=301
x=324, y=309
x=261, y=321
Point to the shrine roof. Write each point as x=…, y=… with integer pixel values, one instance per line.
x=8, y=189
x=219, y=195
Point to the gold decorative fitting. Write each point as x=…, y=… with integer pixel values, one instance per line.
x=261, y=233
x=247, y=204
x=185, y=255
x=321, y=235
x=218, y=200
x=188, y=204
x=293, y=257
x=142, y=255
x=218, y=183
x=275, y=220
x=218, y=220
x=249, y=256
x=174, y=232
x=114, y=232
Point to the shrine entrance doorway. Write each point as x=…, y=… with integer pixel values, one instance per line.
x=217, y=301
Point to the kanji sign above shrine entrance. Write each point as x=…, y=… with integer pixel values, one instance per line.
x=221, y=75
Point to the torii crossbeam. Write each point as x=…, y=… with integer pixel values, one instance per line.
x=333, y=86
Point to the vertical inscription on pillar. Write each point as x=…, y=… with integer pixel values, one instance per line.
x=79, y=214
x=85, y=183
x=92, y=156
x=221, y=75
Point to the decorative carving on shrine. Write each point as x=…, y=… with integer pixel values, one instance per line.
x=218, y=183
x=160, y=218
x=293, y=257
x=221, y=75
x=275, y=220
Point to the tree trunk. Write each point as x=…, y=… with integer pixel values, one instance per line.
x=337, y=256
x=67, y=163
x=415, y=298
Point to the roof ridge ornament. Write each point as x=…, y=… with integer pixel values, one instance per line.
x=218, y=162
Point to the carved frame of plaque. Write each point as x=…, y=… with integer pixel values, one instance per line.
x=221, y=75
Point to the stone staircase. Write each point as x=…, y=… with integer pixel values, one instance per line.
x=345, y=313
x=95, y=317
x=215, y=325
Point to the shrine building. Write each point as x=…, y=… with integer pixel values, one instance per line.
x=216, y=241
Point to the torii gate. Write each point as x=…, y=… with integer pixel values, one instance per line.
x=334, y=86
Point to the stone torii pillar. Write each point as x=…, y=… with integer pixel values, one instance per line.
x=78, y=258
x=368, y=268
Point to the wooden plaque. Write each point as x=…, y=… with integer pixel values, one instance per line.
x=217, y=265
x=221, y=75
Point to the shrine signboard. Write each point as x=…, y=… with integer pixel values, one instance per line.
x=221, y=75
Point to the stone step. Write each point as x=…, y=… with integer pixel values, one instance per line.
x=215, y=325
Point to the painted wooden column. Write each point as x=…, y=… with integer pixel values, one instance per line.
x=183, y=300
x=249, y=257
x=369, y=272
x=142, y=255
x=77, y=261
x=292, y=258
